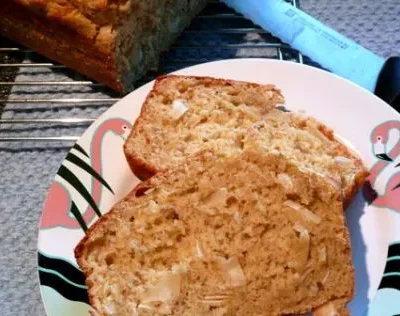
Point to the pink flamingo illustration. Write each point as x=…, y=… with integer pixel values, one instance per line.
x=59, y=205
x=379, y=138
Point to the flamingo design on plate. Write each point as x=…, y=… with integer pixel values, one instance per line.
x=382, y=190
x=59, y=206
x=389, y=164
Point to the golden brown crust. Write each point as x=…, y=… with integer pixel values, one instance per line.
x=209, y=81
x=78, y=251
x=344, y=151
x=335, y=307
x=358, y=183
x=82, y=16
x=100, y=12
x=58, y=42
x=140, y=168
x=79, y=248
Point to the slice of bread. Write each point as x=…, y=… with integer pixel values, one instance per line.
x=222, y=236
x=311, y=145
x=183, y=115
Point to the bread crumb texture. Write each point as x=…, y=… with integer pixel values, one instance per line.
x=184, y=115
x=251, y=234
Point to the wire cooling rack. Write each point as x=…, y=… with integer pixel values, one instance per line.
x=38, y=97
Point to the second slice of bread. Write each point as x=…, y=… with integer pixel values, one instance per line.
x=222, y=236
x=183, y=115
x=311, y=145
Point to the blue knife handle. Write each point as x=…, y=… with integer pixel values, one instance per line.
x=388, y=84
x=309, y=36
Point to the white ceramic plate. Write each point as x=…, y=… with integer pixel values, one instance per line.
x=355, y=114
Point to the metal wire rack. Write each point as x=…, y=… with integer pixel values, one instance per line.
x=37, y=94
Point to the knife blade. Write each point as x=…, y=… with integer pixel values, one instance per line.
x=325, y=46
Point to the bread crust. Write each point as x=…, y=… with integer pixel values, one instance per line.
x=141, y=168
x=78, y=251
x=360, y=177
x=58, y=42
x=79, y=248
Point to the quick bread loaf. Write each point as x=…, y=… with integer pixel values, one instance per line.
x=111, y=41
x=183, y=115
x=222, y=235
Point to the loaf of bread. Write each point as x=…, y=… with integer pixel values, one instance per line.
x=221, y=235
x=183, y=115
x=111, y=41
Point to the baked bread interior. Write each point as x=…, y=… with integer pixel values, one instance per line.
x=222, y=235
x=184, y=115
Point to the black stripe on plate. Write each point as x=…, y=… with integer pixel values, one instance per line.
x=80, y=149
x=82, y=164
x=394, y=250
x=393, y=266
x=390, y=282
x=66, y=289
x=67, y=175
x=63, y=267
x=78, y=216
